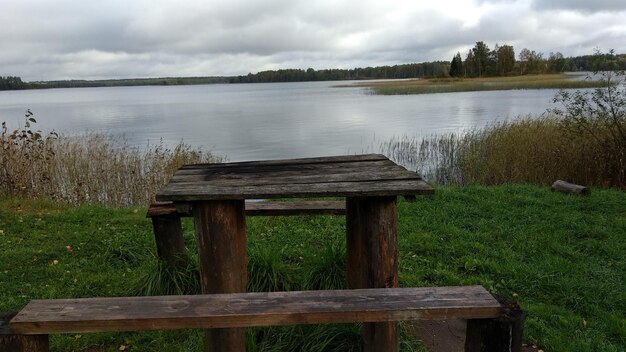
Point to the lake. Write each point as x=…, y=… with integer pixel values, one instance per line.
x=265, y=120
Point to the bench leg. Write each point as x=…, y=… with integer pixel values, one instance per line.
x=495, y=335
x=24, y=343
x=170, y=244
x=35, y=343
x=221, y=235
x=10, y=342
x=371, y=225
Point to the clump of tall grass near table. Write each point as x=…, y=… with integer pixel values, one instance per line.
x=165, y=279
x=88, y=168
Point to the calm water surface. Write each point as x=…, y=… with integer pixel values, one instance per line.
x=265, y=121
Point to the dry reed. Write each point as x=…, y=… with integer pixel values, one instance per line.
x=527, y=150
x=92, y=168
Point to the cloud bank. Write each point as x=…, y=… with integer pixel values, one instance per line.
x=72, y=39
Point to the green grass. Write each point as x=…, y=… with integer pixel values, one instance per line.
x=447, y=85
x=560, y=256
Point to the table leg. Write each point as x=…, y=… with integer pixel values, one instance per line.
x=371, y=225
x=221, y=236
x=170, y=243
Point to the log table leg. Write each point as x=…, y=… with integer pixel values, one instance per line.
x=371, y=225
x=170, y=243
x=221, y=235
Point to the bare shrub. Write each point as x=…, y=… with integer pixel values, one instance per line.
x=599, y=115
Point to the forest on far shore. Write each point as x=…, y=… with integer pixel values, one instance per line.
x=480, y=61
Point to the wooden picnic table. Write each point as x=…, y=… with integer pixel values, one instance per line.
x=370, y=183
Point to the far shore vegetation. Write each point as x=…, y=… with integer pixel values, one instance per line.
x=450, y=84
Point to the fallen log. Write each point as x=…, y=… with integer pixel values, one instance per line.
x=571, y=188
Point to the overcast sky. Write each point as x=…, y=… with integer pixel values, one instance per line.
x=94, y=39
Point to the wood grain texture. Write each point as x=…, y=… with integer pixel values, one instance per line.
x=357, y=175
x=262, y=208
x=221, y=236
x=371, y=227
x=300, y=161
x=254, y=309
x=170, y=243
x=285, y=168
x=293, y=208
x=209, y=191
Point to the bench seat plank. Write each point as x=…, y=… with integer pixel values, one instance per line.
x=314, y=207
x=254, y=309
x=262, y=208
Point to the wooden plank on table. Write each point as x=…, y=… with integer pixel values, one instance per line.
x=242, y=171
x=164, y=209
x=317, y=160
x=255, y=208
x=315, y=207
x=295, y=178
x=207, y=191
x=254, y=309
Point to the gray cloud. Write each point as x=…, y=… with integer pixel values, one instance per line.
x=581, y=5
x=143, y=38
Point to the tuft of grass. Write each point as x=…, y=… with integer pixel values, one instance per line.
x=161, y=279
x=327, y=271
x=305, y=338
x=267, y=272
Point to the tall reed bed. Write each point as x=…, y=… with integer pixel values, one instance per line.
x=89, y=168
x=527, y=150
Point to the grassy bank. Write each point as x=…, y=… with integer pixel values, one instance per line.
x=560, y=256
x=446, y=85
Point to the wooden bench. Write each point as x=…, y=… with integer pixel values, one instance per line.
x=168, y=231
x=39, y=318
x=260, y=208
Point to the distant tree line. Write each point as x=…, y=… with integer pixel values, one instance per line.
x=163, y=81
x=480, y=61
x=11, y=83
x=417, y=70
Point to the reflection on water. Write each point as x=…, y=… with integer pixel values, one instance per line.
x=265, y=121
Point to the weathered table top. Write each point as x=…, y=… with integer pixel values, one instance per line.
x=337, y=176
